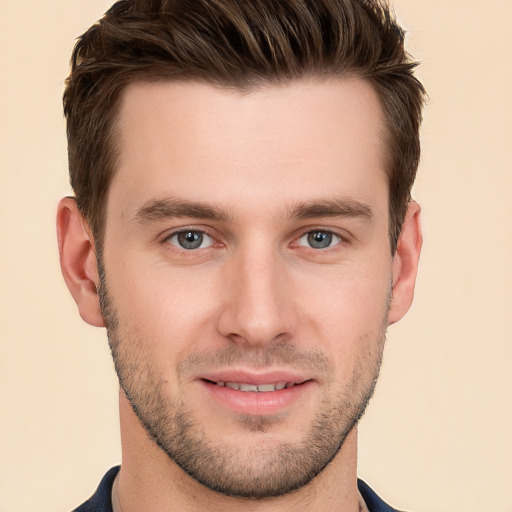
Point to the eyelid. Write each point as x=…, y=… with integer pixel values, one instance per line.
x=340, y=232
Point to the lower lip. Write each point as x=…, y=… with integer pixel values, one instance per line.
x=257, y=403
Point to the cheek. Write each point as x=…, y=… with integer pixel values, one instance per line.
x=348, y=317
x=169, y=310
x=349, y=301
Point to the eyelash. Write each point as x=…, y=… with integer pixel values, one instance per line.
x=328, y=233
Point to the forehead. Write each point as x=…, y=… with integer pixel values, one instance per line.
x=290, y=141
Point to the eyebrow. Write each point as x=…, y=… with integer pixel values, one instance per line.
x=161, y=209
x=342, y=207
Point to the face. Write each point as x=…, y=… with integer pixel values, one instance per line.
x=246, y=274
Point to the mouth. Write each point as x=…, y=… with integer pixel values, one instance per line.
x=258, y=395
x=255, y=388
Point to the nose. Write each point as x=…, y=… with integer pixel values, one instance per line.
x=257, y=304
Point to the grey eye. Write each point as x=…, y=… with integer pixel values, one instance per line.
x=191, y=240
x=319, y=239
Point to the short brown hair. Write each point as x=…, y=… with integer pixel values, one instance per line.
x=239, y=44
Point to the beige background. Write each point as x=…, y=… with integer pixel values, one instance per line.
x=438, y=435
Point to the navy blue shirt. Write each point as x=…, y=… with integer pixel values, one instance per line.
x=101, y=501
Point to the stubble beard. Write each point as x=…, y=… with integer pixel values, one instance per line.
x=266, y=470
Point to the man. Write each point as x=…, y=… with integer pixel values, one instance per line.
x=243, y=228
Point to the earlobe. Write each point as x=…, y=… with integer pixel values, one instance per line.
x=405, y=264
x=78, y=260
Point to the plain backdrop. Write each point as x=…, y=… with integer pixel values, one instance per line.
x=438, y=433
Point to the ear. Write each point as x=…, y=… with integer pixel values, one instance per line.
x=405, y=264
x=78, y=260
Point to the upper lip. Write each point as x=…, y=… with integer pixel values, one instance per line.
x=256, y=378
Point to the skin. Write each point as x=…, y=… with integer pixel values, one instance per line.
x=255, y=291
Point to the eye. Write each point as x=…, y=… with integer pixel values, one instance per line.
x=319, y=239
x=190, y=240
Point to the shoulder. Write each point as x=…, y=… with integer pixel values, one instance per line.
x=372, y=500
x=101, y=500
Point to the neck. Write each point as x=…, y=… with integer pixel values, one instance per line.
x=149, y=480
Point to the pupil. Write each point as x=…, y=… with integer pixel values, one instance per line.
x=320, y=239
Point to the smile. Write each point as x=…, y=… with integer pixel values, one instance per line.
x=255, y=388
x=245, y=395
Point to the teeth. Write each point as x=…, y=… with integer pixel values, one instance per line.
x=248, y=387
x=266, y=387
x=261, y=388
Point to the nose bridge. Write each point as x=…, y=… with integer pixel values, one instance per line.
x=258, y=307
